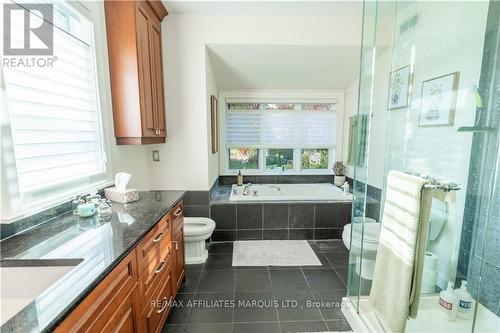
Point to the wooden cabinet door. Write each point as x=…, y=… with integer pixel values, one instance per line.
x=159, y=306
x=179, y=258
x=143, y=21
x=94, y=312
x=125, y=318
x=133, y=29
x=157, y=77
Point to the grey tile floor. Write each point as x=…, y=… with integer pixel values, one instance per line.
x=218, y=297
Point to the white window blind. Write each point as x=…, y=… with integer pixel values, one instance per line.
x=297, y=125
x=54, y=111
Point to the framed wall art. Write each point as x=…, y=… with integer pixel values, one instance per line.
x=214, y=124
x=399, y=88
x=438, y=100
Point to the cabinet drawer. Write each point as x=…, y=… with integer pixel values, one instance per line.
x=158, y=306
x=177, y=215
x=92, y=314
x=153, y=246
x=154, y=273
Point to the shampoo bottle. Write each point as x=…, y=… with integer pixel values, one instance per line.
x=239, y=179
x=464, y=301
x=449, y=302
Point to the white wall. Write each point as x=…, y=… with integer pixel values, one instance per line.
x=435, y=47
x=439, y=47
x=186, y=160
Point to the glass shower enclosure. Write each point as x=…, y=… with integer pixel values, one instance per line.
x=429, y=103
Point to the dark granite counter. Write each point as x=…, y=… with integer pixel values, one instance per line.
x=100, y=244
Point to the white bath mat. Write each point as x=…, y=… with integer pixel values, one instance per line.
x=274, y=253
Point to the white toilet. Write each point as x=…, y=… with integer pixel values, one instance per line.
x=365, y=264
x=196, y=231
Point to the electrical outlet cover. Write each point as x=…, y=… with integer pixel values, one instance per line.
x=156, y=155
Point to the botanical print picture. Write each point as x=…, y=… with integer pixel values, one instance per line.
x=438, y=101
x=399, y=85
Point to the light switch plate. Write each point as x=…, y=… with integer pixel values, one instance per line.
x=156, y=155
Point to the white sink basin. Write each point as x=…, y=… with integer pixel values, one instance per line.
x=22, y=282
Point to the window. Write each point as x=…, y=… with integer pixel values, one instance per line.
x=243, y=158
x=275, y=137
x=54, y=111
x=314, y=159
x=280, y=159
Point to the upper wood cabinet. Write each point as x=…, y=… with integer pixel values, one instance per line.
x=135, y=61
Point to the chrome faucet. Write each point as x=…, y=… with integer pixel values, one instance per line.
x=246, y=189
x=276, y=187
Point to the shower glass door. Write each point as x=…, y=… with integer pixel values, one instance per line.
x=359, y=163
x=429, y=97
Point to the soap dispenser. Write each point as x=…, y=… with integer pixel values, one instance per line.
x=464, y=301
x=239, y=178
x=449, y=302
x=94, y=197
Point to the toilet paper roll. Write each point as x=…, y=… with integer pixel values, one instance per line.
x=429, y=280
x=438, y=218
x=430, y=261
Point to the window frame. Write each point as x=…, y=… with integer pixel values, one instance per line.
x=56, y=193
x=280, y=96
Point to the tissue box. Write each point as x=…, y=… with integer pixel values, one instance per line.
x=113, y=194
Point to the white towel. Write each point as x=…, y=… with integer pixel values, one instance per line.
x=397, y=277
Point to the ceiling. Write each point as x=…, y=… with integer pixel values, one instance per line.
x=284, y=66
x=266, y=7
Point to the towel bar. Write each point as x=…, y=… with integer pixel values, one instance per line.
x=437, y=184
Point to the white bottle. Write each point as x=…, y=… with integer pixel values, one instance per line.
x=345, y=187
x=449, y=302
x=464, y=301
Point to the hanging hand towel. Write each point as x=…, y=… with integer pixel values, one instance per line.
x=397, y=277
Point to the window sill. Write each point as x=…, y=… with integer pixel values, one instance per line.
x=34, y=208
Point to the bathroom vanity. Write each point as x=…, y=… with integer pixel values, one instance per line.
x=136, y=294
x=128, y=268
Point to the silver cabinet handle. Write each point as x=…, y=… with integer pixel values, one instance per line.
x=157, y=239
x=178, y=212
x=176, y=245
x=160, y=267
x=165, y=301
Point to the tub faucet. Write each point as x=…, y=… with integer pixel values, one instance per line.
x=246, y=189
x=276, y=187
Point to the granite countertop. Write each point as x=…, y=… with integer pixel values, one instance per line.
x=101, y=245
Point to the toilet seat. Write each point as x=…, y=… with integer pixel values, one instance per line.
x=362, y=247
x=371, y=232
x=194, y=226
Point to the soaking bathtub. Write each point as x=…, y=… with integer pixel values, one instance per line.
x=289, y=192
